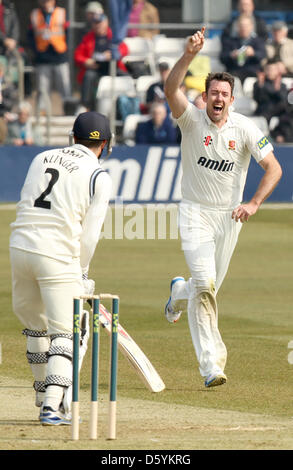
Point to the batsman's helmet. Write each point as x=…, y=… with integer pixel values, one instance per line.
x=93, y=126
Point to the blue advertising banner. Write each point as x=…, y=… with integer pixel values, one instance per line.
x=140, y=174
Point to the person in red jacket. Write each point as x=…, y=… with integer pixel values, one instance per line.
x=93, y=56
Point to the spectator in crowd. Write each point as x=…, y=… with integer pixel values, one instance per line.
x=157, y=130
x=127, y=104
x=246, y=7
x=9, y=27
x=155, y=92
x=283, y=132
x=3, y=121
x=8, y=94
x=92, y=9
x=9, y=40
x=199, y=102
x=243, y=54
x=280, y=48
x=93, y=56
x=19, y=130
x=269, y=92
x=48, y=40
x=143, y=12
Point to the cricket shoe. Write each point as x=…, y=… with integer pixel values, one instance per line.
x=213, y=380
x=49, y=417
x=173, y=314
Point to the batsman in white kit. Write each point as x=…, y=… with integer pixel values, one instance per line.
x=63, y=205
x=216, y=148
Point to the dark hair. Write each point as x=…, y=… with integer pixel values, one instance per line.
x=271, y=61
x=89, y=143
x=220, y=77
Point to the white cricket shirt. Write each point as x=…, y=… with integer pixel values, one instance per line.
x=63, y=205
x=215, y=160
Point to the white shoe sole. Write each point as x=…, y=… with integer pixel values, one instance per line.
x=180, y=305
x=171, y=317
x=52, y=419
x=216, y=380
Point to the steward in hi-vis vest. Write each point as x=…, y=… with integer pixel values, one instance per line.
x=51, y=33
x=47, y=38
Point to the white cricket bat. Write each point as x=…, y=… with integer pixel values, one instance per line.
x=133, y=353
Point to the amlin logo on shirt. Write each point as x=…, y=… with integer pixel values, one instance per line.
x=224, y=165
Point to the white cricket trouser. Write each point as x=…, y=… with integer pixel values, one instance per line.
x=208, y=240
x=42, y=291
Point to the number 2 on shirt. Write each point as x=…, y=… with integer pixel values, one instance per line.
x=40, y=201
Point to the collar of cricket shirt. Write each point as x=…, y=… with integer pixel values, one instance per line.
x=84, y=149
x=228, y=123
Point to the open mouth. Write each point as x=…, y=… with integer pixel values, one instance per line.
x=217, y=108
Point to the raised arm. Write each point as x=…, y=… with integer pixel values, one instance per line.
x=175, y=97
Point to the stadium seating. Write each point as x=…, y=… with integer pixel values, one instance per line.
x=130, y=125
x=216, y=65
x=250, y=81
x=248, y=86
x=110, y=88
x=167, y=47
x=288, y=81
x=244, y=105
x=164, y=48
x=238, y=89
x=143, y=83
x=140, y=49
x=261, y=123
x=274, y=121
x=212, y=47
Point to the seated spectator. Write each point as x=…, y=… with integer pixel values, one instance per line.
x=269, y=92
x=155, y=92
x=126, y=105
x=19, y=130
x=280, y=48
x=48, y=41
x=158, y=130
x=247, y=7
x=143, y=12
x=283, y=132
x=243, y=54
x=9, y=27
x=93, y=56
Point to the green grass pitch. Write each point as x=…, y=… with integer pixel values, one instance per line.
x=255, y=317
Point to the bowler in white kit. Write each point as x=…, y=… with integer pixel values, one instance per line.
x=216, y=148
x=59, y=218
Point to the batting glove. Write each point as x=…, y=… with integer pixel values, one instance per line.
x=88, y=285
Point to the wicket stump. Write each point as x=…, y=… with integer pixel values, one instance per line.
x=95, y=365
